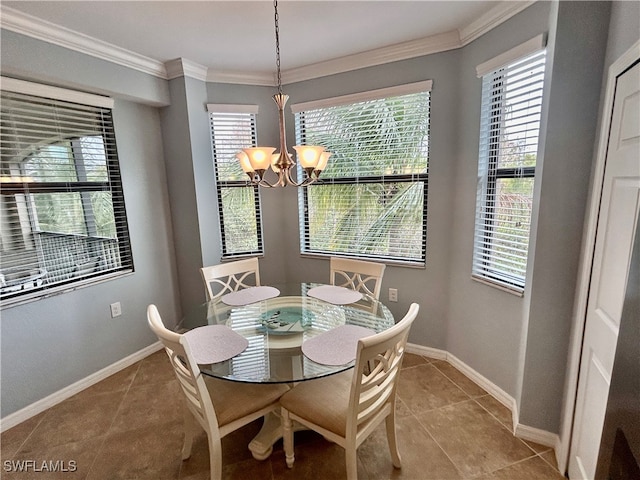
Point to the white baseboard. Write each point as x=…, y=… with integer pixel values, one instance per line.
x=542, y=437
x=427, y=351
x=523, y=432
x=49, y=401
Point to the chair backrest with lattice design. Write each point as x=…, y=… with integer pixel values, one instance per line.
x=187, y=372
x=231, y=276
x=377, y=370
x=365, y=277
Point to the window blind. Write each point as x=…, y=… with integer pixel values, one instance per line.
x=371, y=201
x=509, y=131
x=238, y=203
x=62, y=204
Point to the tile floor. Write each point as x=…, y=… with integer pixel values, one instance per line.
x=129, y=426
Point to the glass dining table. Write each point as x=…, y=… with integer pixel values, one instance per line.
x=275, y=329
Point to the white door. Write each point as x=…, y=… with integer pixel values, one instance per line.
x=619, y=208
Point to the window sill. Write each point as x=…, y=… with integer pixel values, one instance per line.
x=495, y=284
x=54, y=291
x=399, y=263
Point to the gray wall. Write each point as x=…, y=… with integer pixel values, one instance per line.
x=51, y=343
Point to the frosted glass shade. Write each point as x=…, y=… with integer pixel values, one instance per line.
x=308, y=155
x=324, y=159
x=259, y=157
x=244, y=162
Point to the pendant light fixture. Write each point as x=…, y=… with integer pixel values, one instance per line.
x=257, y=160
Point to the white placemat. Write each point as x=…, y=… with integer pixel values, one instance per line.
x=335, y=347
x=249, y=295
x=215, y=343
x=335, y=295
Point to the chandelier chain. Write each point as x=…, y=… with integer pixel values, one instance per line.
x=275, y=7
x=255, y=161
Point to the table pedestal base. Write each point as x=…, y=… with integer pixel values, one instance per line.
x=262, y=444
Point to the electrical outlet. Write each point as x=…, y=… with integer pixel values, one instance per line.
x=393, y=294
x=116, y=309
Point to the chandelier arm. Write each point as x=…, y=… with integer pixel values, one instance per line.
x=306, y=181
x=282, y=163
x=264, y=183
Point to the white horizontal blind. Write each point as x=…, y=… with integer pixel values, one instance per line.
x=238, y=202
x=509, y=130
x=372, y=200
x=62, y=204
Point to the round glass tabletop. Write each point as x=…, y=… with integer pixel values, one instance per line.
x=276, y=328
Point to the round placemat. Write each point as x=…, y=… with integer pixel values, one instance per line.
x=215, y=343
x=335, y=347
x=335, y=295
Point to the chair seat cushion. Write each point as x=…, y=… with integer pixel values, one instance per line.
x=234, y=400
x=324, y=402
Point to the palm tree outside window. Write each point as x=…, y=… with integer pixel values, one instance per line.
x=371, y=201
x=233, y=127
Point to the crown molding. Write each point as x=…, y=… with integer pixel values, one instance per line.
x=181, y=67
x=491, y=19
x=393, y=53
x=31, y=26
x=242, y=78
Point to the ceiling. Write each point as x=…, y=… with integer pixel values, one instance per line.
x=238, y=36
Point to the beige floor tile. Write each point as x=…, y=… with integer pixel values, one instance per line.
x=149, y=404
x=129, y=426
x=421, y=456
x=536, y=447
x=457, y=377
x=74, y=421
x=495, y=408
x=12, y=439
x=473, y=439
x=235, y=449
x=71, y=460
x=411, y=360
x=424, y=388
x=401, y=408
x=151, y=453
x=248, y=469
x=315, y=458
x=154, y=369
x=118, y=382
x=530, y=469
x=550, y=457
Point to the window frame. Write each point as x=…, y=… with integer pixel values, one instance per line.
x=251, y=111
x=495, y=71
x=382, y=179
x=22, y=189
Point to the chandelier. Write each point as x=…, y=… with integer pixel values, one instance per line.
x=256, y=161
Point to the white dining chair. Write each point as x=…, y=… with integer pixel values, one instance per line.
x=357, y=275
x=218, y=406
x=230, y=277
x=345, y=408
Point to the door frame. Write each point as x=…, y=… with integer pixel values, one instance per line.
x=618, y=67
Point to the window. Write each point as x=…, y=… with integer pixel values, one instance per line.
x=61, y=201
x=233, y=127
x=509, y=129
x=371, y=201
